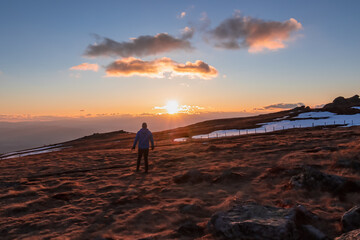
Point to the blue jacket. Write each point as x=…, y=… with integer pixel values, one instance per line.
x=143, y=136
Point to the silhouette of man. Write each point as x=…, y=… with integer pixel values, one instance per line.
x=143, y=136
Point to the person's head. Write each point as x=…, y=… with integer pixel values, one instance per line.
x=144, y=125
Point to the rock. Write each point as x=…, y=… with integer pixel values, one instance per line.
x=311, y=179
x=193, y=176
x=353, y=235
x=312, y=233
x=351, y=219
x=228, y=176
x=343, y=105
x=190, y=229
x=254, y=221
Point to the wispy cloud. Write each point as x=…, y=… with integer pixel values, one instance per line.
x=187, y=33
x=86, y=67
x=140, y=46
x=182, y=15
x=204, y=22
x=157, y=68
x=283, y=106
x=187, y=109
x=252, y=33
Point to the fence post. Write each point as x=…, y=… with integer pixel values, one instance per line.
x=283, y=127
x=273, y=129
x=265, y=130
x=352, y=122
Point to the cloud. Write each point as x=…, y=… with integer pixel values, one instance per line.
x=86, y=67
x=187, y=109
x=141, y=46
x=204, y=22
x=251, y=33
x=182, y=15
x=284, y=106
x=187, y=33
x=157, y=68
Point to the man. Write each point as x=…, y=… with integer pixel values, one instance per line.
x=143, y=136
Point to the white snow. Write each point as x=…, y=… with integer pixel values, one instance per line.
x=315, y=115
x=282, y=118
x=304, y=120
x=358, y=108
x=184, y=139
x=33, y=151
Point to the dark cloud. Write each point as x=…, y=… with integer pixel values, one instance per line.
x=159, y=67
x=141, y=46
x=284, y=106
x=252, y=33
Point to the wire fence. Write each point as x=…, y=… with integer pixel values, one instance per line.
x=267, y=129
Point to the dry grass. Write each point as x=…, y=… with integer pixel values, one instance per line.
x=92, y=190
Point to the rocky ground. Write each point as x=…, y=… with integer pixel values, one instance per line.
x=292, y=184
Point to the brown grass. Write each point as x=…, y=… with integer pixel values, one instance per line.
x=92, y=190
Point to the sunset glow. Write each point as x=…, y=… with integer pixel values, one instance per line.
x=243, y=58
x=172, y=107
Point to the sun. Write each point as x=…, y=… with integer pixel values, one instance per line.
x=172, y=107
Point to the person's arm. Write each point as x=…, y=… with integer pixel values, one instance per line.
x=135, y=141
x=152, y=141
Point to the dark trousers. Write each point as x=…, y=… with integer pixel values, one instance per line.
x=144, y=152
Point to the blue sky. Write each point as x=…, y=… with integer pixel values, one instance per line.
x=41, y=40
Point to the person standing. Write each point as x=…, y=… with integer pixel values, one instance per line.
x=143, y=136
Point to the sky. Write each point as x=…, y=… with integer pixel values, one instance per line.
x=106, y=58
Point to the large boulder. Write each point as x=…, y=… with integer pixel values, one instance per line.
x=311, y=233
x=351, y=219
x=343, y=105
x=353, y=235
x=254, y=221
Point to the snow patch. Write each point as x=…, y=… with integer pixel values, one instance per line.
x=184, y=139
x=34, y=151
x=304, y=120
x=316, y=115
